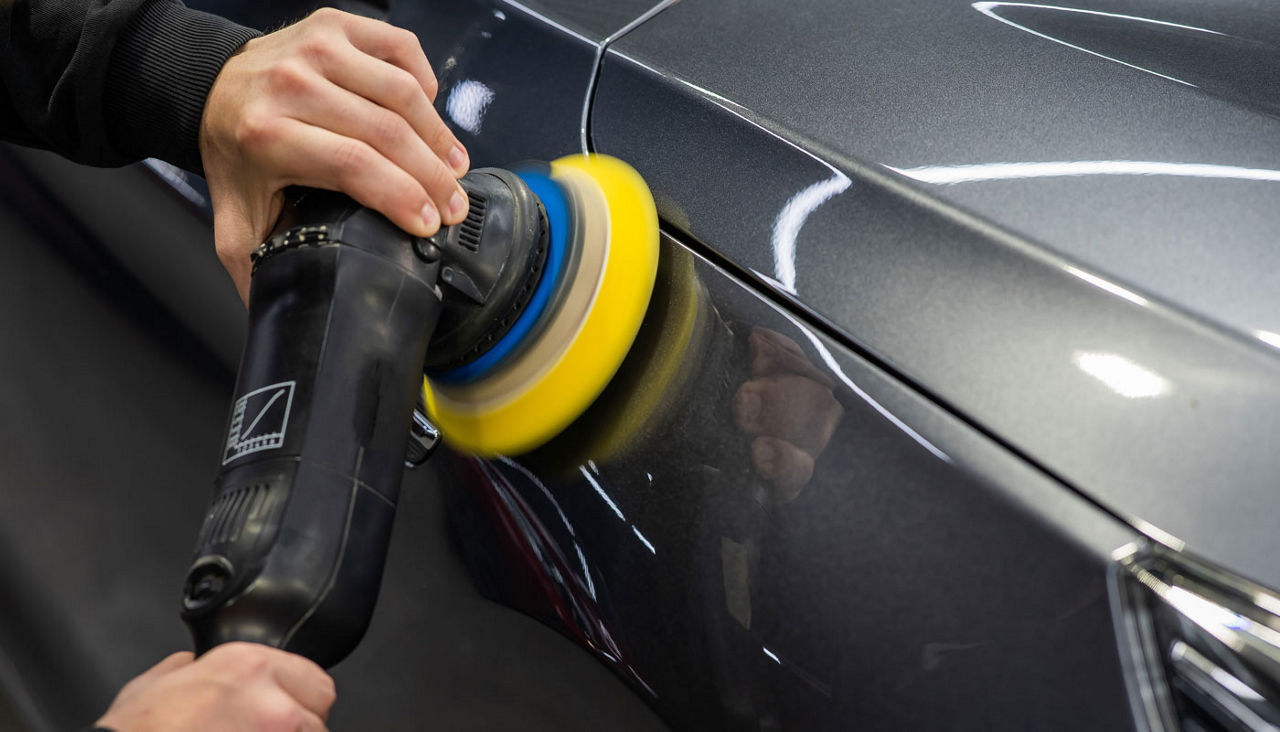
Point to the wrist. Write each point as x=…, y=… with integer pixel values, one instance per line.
x=160, y=77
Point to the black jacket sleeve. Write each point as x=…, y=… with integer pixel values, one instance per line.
x=108, y=82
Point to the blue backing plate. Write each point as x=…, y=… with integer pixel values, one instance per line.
x=557, y=208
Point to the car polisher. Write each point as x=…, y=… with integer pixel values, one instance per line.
x=507, y=326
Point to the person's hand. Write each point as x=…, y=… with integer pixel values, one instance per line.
x=234, y=687
x=334, y=101
x=788, y=408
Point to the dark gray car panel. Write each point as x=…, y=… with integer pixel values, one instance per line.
x=512, y=84
x=917, y=570
x=1158, y=414
x=1127, y=134
x=594, y=19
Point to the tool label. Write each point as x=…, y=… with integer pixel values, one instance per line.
x=259, y=420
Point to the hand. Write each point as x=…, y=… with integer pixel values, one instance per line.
x=237, y=686
x=789, y=407
x=334, y=101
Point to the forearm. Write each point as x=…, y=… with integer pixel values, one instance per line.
x=107, y=83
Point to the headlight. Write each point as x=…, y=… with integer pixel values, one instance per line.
x=1201, y=647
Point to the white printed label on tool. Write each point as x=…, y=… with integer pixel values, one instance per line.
x=259, y=420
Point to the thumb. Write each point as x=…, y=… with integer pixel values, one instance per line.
x=234, y=239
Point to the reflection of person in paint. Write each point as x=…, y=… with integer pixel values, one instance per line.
x=788, y=408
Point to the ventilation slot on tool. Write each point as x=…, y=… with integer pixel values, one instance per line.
x=228, y=514
x=469, y=232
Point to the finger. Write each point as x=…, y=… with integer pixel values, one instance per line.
x=305, y=681
x=171, y=663
x=350, y=115
x=234, y=239
x=392, y=87
x=773, y=353
x=312, y=722
x=790, y=407
x=786, y=466
x=272, y=709
x=394, y=45
x=319, y=158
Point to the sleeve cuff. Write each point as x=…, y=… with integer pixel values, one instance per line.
x=159, y=77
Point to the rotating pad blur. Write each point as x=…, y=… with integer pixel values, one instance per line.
x=579, y=342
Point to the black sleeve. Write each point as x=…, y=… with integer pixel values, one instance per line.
x=108, y=82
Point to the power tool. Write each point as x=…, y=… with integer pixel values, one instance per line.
x=506, y=327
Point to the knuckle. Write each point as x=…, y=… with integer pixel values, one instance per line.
x=278, y=713
x=349, y=157
x=440, y=181
x=404, y=89
x=255, y=130
x=389, y=129
x=318, y=48
x=432, y=87
x=328, y=15
x=287, y=78
x=242, y=659
x=405, y=41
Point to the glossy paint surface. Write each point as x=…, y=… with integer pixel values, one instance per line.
x=918, y=568
x=1138, y=137
x=512, y=81
x=775, y=156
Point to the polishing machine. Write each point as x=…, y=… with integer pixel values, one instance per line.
x=505, y=327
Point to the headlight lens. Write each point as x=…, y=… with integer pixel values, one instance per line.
x=1201, y=646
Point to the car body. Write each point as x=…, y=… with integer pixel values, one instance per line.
x=1021, y=258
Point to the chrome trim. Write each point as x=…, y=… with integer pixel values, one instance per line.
x=1196, y=642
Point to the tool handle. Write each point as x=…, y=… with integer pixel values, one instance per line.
x=341, y=309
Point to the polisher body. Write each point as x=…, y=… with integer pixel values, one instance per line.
x=346, y=313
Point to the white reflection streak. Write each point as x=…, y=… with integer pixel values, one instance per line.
x=786, y=228
x=600, y=490
x=832, y=364
x=586, y=572
x=1121, y=375
x=771, y=654
x=468, y=101
x=529, y=474
x=1267, y=337
x=640, y=536
x=951, y=174
x=1107, y=285
x=986, y=9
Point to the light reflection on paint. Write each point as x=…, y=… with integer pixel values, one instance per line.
x=542, y=487
x=1107, y=285
x=771, y=655
x=786, y=228
x=830, y=360
x=644, y=541
x=605, y=496
x=468, y=101
x=946, y=175
x=1267, y=337
x=1121, y=375
x=989, y=9
x=586, y=572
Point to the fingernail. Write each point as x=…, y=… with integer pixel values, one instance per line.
x=458, y=158
x=457, y=203
x=430, y=218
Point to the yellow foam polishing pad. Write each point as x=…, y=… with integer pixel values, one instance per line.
x=586, y=335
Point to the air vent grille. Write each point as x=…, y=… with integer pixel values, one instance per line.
x=228, y=514
x=469, y=231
